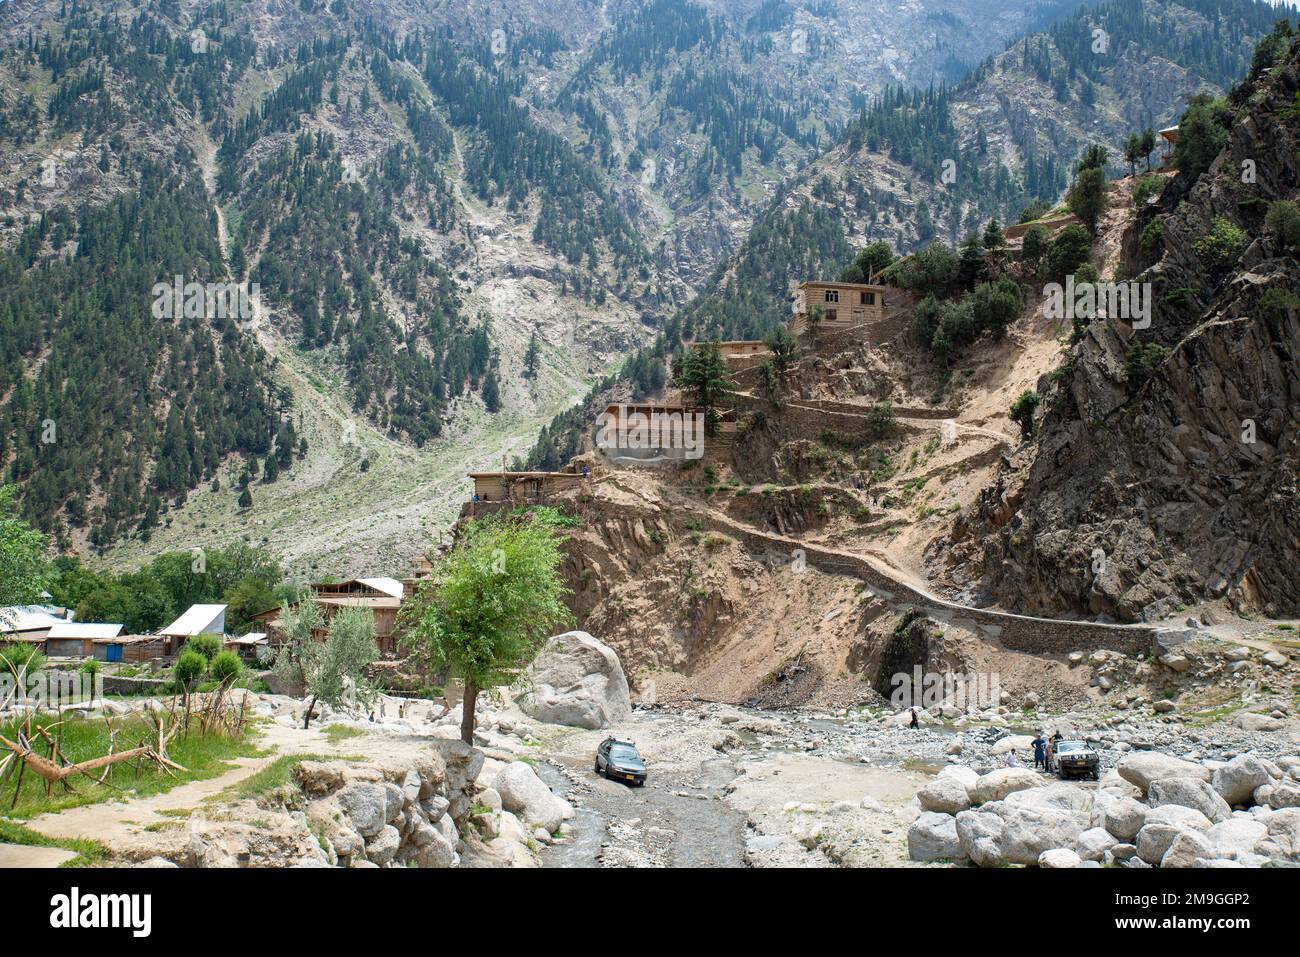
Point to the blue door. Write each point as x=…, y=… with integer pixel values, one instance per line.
x=114, y=652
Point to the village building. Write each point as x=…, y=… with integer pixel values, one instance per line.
x=743, y=353
x=841, y=305
x=247, y=646
x=198, y=620
x=30, y=623
x=1170, y=135
x=521, y=488
x=133, y=649
x=76, y=639
x=381, y=596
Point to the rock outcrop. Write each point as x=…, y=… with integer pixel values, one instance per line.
x=577, y=681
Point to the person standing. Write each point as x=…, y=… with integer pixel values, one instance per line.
x=1040, y=751
x=914, y=723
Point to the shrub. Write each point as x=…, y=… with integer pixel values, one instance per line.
x=1153, y=238
x=226, y=666
x=1283, y=223
x=1142, y=360
x=1022, y=411
x=209, y=646
x=89, y=667
x=1202, y=134
x=1221, y=248
x=20, y=656
x=1147, y=188
x=190, y=667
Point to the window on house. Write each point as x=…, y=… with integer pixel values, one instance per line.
x=832, y=295
x=829, y=315
x=868, y=298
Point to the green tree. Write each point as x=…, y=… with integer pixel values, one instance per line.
x=1094, y=157
x=332, y=671
x=993, y=238
x=1141, y=362
x=1133, y=152
x=190, y=667
x=1087, y=197
x=784, y=348
x=1068, y=251
x=870, y=260
x=1034, y=246
x=209, y=646
x=1220, y=249
x=705, y=377
x=1202, y=134
x=24, y=571
x=245, y=498
x=488, y=605
x=1147, y=145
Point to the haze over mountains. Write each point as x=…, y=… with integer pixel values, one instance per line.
x=459, y=215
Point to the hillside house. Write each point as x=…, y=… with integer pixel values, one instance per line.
x=1170, y=135
x=743, y=353
x=842, y=305
x=521, y=488
x=76, y=639
x=382, y=596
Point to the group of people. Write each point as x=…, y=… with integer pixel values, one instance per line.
x=1045, y=751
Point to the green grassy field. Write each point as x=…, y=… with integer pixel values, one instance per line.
x=201, y=756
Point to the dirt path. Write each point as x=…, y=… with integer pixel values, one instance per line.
x=20, y=855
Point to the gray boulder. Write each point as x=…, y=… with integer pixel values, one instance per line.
x=577, y=681
x=1120, y=815
x=523, y=793
x=996, y=785
x=1059, y=858
x=366, y=806
x=1237, y=780
x=1189, y=792
x=945, y=795
x=933, y=837
x=1142, y=768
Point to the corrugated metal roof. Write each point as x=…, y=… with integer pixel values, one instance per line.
x=27, y=618
x=194, y=621
x=84, y=629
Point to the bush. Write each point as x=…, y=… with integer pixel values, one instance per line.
x=1068, y=251
x=1153, y=238
x=1022, y=411
x=226, y=666
x=190, y=667
x=20, y=656
x=1220, y=250
x=90, y=667
x=1147, y=188
x=209, y=646
x=1283, y=223
x=933, y=269
x=1142, y=361
x=1202, y=134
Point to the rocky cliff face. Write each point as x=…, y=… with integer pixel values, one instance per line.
x=1138, y=498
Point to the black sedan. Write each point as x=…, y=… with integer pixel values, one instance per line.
x=620, y=760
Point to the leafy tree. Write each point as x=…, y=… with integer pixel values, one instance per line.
x=871, y=260
x=1068, y=251
x=488, y=605
x=1023, y=409
x=1094, y=157
x=24, y=572
x=1202, y=134
x=1033, y=246
x=209, y=646
x=1087, y=197
x=190, y=667
x=331, y=672
x=20, y=658
x=1133, y=152
x=784, y=348
x=1147, y=145
x=705, y=377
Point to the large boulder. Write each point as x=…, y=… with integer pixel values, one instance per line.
x=933, y=837
x=1059, y=795
x=1001, y=833
x=577, y=681
x=523, y=793
x=1237, y=780
x=1119, y=814
x=1059, y=858
x=1236, y=837
x=967, y=776
x=944, y=795
x=1142, y=768
x=1163, y=826
x=1189, y=792
x=1283, y=839
x=996, y=785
